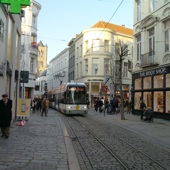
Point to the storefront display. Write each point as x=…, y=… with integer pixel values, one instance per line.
x=153, y=86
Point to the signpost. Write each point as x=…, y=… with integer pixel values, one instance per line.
x=16, y=5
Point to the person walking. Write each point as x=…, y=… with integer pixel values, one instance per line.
x=114, y=103
x=5, y=115
x=88, y=103
x=127, y=105
x=96, y=105
x=106, y=103
x=44, y=107
x=47, y=105
x=142, y=108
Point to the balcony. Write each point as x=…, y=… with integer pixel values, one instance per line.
x=148, y=59
x=33, y=48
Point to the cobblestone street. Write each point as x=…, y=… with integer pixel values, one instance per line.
x=45, y=142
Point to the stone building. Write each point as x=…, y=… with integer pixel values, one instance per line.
x=151, y=73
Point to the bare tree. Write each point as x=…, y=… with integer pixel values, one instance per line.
x=121, y=51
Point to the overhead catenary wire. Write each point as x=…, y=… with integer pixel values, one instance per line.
x=107, y=23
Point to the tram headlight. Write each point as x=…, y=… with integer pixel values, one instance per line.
x=69, y=107
x=85, y=107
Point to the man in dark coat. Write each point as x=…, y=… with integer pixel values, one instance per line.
x=5, y=115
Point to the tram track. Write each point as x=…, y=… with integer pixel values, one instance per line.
x=91, y=127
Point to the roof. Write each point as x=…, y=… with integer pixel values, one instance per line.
x=117, y=28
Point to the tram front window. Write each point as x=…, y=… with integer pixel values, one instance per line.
x=76, y=95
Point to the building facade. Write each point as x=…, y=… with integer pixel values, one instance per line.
x=10, y=38
x=71, y=63
x=29, y=50
x=151, y=73
x=94, y=51
x=57, y=71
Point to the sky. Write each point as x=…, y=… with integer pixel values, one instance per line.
x=59, y=21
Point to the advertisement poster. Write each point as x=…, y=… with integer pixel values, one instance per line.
x=23, y=107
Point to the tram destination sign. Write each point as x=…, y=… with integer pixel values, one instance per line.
x=153, y=72
x=16, y=5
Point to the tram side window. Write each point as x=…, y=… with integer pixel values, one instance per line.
x=62, y=98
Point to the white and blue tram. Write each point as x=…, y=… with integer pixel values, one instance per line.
x=70, y=98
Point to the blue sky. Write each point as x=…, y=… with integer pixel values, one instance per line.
x=59, y=21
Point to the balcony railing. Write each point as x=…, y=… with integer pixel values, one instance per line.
x=148, y=59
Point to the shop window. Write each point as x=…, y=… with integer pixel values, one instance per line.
x=167, y=102
x=138, y=83
x=168, y=80
x=147, y=96
x=158, y=101
x=137, y=100
x=147, y=83
x=158, y=81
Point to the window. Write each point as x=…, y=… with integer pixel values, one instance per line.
x=77, y=71
x=80, y=50
x=1, y=30
x=95, y=66
x=86, y=66
x=33, y=19
x=86, y=45
x=138, y=83
x=125, y=69
x=138, y=10
x=31, y=65
x=137, y=99
x=158, y=81
x=158, y=101
x=106, y=45
x=147, y=83
x=138, y=38
x=167, y=102
x=147, y=96
x=168, y=80
x=80, y=69
x=167, y=35
x=106, y=66
x=96, y=45
x=151, y=41
x=152, y=5
x=77, y=52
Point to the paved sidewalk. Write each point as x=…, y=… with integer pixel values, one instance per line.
x=158, y=131
x=41, y=144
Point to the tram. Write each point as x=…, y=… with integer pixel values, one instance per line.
x=69, y=98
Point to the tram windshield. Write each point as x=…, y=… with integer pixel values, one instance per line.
x=76, y=95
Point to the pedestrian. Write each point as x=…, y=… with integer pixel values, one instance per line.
x=142, y=108
x=100, y=104
x=39, y=101
x=106, y=103
x=127, y=105
x=5, y=115
x=114, y=103
x=88, y=103
x=96, y=105
x=44, y=107
x=47, y=105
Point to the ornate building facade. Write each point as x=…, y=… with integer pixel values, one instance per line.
x=151, y=73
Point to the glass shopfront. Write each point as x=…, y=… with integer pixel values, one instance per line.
x=153, y=86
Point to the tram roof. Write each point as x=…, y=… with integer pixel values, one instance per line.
x=75, y=84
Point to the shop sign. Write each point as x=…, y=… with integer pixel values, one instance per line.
x=153, y=72
x=16, y=5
